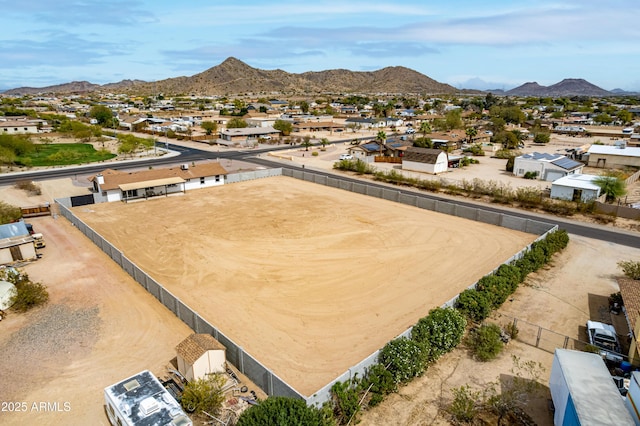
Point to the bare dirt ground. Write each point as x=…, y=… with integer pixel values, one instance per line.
x=308, y=279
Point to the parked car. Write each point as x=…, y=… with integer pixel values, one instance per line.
x=604, y=337
x=410, y=131
x=346, y=157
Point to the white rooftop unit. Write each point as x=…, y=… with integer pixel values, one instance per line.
x=142, y=400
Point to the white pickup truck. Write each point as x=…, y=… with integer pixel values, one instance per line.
x=604, y=337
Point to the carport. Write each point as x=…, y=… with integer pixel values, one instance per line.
x=152, y=188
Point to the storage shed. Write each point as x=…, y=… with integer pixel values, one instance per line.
x=199, y=355
x=576, y=187
x=16, y=243
x=425, y=160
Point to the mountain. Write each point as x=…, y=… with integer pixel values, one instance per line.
x=565, y=88
x=234, y=77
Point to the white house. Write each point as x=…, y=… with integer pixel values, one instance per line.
x=425, y=160
x=142, y=400
x=575, y=187
x=114, y=185
x=199, y=355
x=613, y=157
x=366, y=152
x=244, y=134
x=548, y=167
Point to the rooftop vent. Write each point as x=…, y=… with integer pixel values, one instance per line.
x=149, y=406
x=184, y=167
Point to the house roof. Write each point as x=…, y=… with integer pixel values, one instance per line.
x=196, y=345
x=115, y=179
x=542, y=156
x=614, y=150
x=578, y=181
x=249, y=131
x=15, y=229
x=422, y=155
x=151, y=183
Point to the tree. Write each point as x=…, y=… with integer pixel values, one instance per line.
x=453, y=119
x=471, y=133
x=283, y=411
x=286, y=127
x=209, y=127
x=304, y=106
x=425, y=128
x=611, y=185
x=306, y=142
x=381, y=138
x=630, y=268
x=103, y=114
x=236, y=123
x=204, y=394
x=9, y=213
x=324, y=142
x=541, y=138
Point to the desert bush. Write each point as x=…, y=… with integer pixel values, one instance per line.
x=441, y=331
x=315, y=153
x=528, y=197
x=531, y=175
x=486, y=342
x=511, y=274
x=380, y=383
x=29, y=295
x=474, y=304
x=475, y=149
x=630, y=269
x=204, y=394
x=561, y=208
x=404, y=358
x=345, y=397
x=29, y=186
x=512, y=330
x=466, y=404
x=9, y=213
x=588, y=207
x=430, y=185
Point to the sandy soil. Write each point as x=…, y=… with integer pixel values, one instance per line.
x=365, y=269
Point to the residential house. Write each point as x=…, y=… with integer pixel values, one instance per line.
x=367, y=151
x=426, y=160
x=113, y=185
x=245, y=134
x=364, y=123
x=575, y=187
x=14, y=127
x=547, y=167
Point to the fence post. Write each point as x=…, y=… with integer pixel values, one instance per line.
x=566, y=342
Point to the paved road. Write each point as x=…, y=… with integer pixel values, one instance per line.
x=188, y=155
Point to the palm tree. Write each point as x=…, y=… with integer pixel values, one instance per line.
x=611, y=185
x=425, y=128
x=381, y=137
x=471, y=132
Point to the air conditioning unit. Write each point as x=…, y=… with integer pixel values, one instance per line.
x=184, y=167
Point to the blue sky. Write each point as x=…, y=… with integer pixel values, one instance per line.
x=468, y=44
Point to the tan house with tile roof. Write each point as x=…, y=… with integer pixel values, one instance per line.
x=113, y=185
x=630, y=292
x=199, y=355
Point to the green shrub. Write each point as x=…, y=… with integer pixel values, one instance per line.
x=380, y=383
x=404, y=358
x=28, y=294
x=528, y=197
x=9, y=213
x=283, y=411
x=561, y=208
x=531, y=175
x=346, y=400
x=511, y=274
x=204, y=394
x=486, y=342
x=512, y=330
x=314, y=153
x=474, y=304
x=496, y=288
x=440, y=331
x=630, y=268
x=466, y=404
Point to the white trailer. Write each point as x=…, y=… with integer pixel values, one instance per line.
x=142, y=400
x=583, y=391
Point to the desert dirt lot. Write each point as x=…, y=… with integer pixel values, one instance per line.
x=308, y=279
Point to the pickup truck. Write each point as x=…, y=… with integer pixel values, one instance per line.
x=604, y=337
